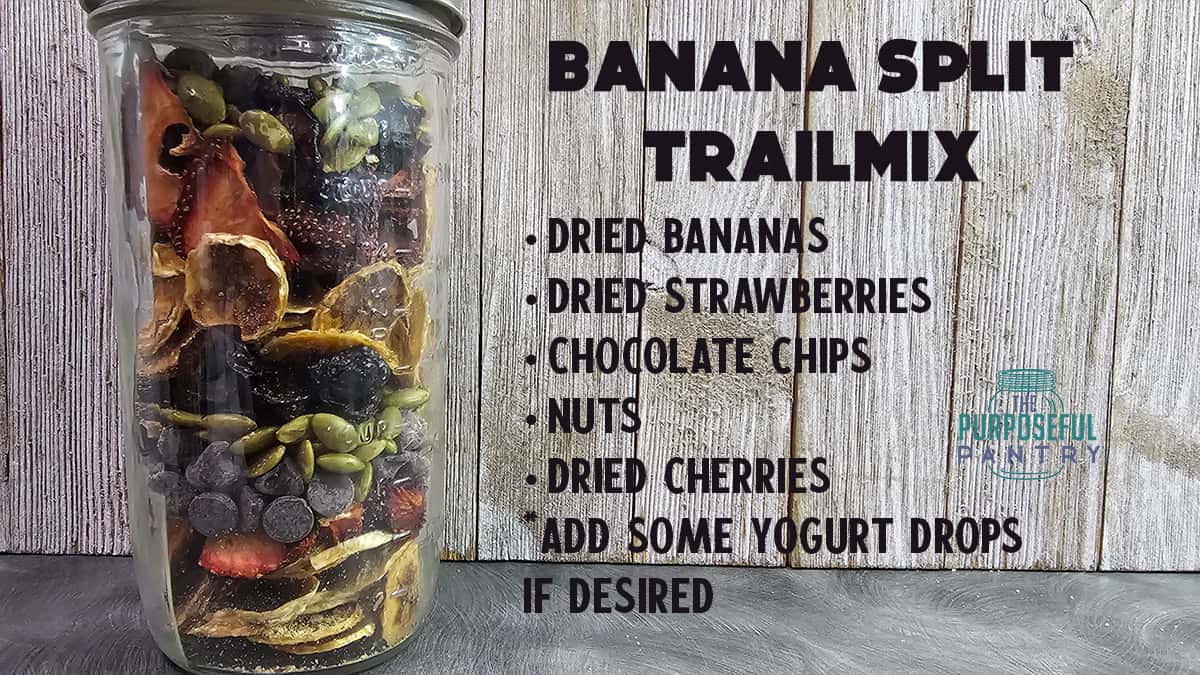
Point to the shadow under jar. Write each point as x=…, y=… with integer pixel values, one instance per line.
x=278, y=212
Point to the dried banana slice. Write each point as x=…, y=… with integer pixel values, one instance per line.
x=167, y=310
x=307, y=345
x=313, y=627
x=368, y=301
x=233, y=622
x=401, y=593
x=326, y=558
x=365, y=630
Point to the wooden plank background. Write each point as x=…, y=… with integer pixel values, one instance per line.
x=1075, y=252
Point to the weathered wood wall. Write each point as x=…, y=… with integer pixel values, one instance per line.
x=1075, y=252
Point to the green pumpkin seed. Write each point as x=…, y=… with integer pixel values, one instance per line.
x=318, y=448
x=203, y=435
x=391, y=422
x=306, y=459
x=362, y=485
x=318, y=85
x=345, y=83
x=407, y=399
x=265, y=462
x=364, y=132
x=202, y=98
x=332, y=105
x=366, y=431
x=388, y=91
x=228, y=425
x=420, y=100
x=181, y=418
x=334, y=432
x=255, y=441
x=390, y=446
x=294, y=430
x=369, y=451
x=340, y=462
x=232, y=113
x=333, y=133
x=185, y=59
x=365, y=103
x=266, y=131
x=281, y=79
x=344, y=158
x=221, y=130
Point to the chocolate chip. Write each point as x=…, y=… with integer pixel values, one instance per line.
x=329, y=494
x=287, y=520
x=213, y=514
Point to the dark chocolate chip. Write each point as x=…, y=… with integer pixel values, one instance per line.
x=284, y=480
x=250, y=509
x=329, y=494
x=213, y=514
x=287, y=520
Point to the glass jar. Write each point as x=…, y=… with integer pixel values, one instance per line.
x=278, y=208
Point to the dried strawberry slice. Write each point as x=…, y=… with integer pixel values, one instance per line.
x=406, y=508
x=301, y=548
x=161, y=109
x=217, y=198
x=346, y=525
x=246, y=556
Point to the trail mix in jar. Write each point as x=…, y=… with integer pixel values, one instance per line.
x=279, y=381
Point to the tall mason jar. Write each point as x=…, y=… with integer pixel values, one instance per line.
x=278, y=214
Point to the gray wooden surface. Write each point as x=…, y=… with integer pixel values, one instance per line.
x=81, y=615
x=1073, y=253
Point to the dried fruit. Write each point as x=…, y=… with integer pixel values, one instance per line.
x=166, y=129
x=313, y=627
x=365, y=630
x=280, y=394
x=400, y=594
x=288, y=520
x=303, y=346
x=213, y=514
x=166, y=315
x=217, y=199
x=330, y=493
x=406, y=508
x=325, y=559
x=368, y=301
x=327, y=242
x=408, y=335
x=350, y=382
x=236, y=280
x=214, y=371
x=242, y=555
x=284, y=480
x=346, y=525
x=165, y=263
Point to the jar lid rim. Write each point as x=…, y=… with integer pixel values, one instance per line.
x=445, y=17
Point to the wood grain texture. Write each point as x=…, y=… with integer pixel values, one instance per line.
x=1038, y=267
x=81, y=615
x=548, y=155
x=719, y=415
x=463, y=275
x=882, y=431
x=65, y=490
x=1153, y=485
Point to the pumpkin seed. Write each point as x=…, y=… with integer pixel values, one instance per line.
x=305, y=459
x=390, y=446
x=387, y=90
x=255, y=441
x=221, y=130
x=332, y=105
x=407, y=399
x=266, y=131
x=202, y=98
x=181, y=418
x=365, y=103
x=334, y=432
x=364, y=132
x=265, y=462
x=344, y=158
x=186, y=59
x=294, y=430
x=228, y=425
x=362, y=485
x=340, y=462
x=391, y=422
x=366, y=431
x=318, y=85
x=369, y=451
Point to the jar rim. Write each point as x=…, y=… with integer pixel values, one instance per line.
x=441, y=20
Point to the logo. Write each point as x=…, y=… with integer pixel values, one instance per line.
x=1025, y=432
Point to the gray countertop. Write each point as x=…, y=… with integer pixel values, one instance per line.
x=81, y=615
